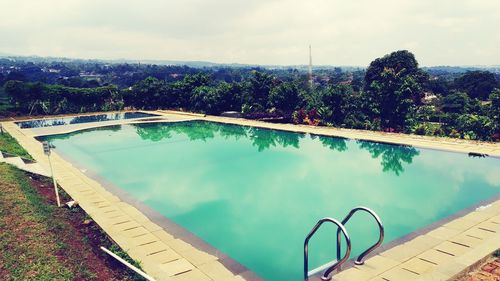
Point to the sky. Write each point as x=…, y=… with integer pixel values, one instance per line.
x=270, y=32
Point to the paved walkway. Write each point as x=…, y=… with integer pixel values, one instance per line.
x=437, y=255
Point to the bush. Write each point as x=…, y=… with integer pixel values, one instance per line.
x=428, y=129
x=475, y=127
x=299, y=116
x=421, y=130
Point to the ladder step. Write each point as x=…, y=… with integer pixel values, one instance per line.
x=321, y=268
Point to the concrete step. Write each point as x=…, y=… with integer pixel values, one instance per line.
x=35, y=168
x=32, y=167
x=16, y=161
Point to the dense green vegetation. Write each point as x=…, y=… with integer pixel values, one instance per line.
x=393, y=94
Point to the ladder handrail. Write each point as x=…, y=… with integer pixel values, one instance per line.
x=359, y=259
x=340, y=228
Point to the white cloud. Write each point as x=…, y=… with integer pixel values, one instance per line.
x=461, y=32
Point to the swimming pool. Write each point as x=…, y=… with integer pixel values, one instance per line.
x=82, y=119
x=256, y=193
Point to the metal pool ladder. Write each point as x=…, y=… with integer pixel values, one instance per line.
x=336, y=264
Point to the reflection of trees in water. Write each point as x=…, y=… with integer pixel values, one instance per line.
x=160, y=131
x=333, y=143
x=232, y=131
x=393, y=156
x=200, y=130
x=153, y=131
x=93, y=118
x=42, y=123
x=265, y=138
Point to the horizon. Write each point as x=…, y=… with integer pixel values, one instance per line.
x=229, y=64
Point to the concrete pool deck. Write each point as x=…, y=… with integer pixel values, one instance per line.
x=438, y=254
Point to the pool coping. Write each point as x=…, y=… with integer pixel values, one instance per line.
x=215, y=272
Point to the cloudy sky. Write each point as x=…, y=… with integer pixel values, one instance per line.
x=341, y=32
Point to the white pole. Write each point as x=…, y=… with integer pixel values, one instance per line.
x=55, y=183
x=138, y=271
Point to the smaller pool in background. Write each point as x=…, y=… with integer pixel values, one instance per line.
x=82, y=119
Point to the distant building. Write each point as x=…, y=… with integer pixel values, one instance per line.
x=51, y=70
x=428, y=97
x=90, y=75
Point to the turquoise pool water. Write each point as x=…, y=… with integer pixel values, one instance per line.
x=255, y=193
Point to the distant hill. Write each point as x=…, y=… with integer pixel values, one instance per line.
x=460, y=69
x=207, y=64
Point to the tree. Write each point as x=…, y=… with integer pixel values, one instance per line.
x=393, y=101
x=438, y=85
x=230, y=96
x=402, y=63
x=205, y=99
x=335, y=99
x=147, y=94
x=472, y=126
x=25, y=96
x=457, y=102
x=258, y=90
x=179, y=93
x=477, y=84
x=215, y=100
x=393, y=86
x=286, y=96
x=495, y=110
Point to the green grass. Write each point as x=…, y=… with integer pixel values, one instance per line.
x=9, y=145
x=26, y=240
x=39, y=241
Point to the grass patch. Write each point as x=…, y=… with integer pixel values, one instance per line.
x=27, y=243
x=39, y=241
x=10, y=145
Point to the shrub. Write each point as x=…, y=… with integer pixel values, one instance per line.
x=475, y=127
x=421, y=130
x=299, y=116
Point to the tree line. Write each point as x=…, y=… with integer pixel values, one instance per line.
x=394, y=95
